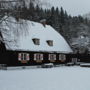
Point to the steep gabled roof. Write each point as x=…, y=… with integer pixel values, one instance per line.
x=20, y=34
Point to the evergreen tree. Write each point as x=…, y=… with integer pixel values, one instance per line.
x=80, y=19
x=52, y=17
x=62, y=16
x=31, y=11
x=57, y=20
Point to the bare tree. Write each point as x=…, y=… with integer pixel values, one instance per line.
x=7, y=9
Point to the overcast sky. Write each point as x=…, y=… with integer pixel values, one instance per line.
x=73, y=7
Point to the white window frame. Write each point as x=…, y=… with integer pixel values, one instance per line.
x=23, y=56
x=62, y=57
x=52, y=57
x=38, y=56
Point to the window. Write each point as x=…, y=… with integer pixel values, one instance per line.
x=36, y=41
x=52, y=57
x=23, y=56
x=38, y=56
x=50, y=42
x=74, y=60
x=62, y=57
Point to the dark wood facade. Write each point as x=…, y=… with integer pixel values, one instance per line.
x=12, y=58
x=21, y=58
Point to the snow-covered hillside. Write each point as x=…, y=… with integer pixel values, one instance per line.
x=19, y=36
x=63, y=78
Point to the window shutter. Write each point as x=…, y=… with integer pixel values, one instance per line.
x=41, y=56
x=27, y=57
x=19, y=56
x=34, y=56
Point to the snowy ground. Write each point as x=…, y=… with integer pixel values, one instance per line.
x=61, y=78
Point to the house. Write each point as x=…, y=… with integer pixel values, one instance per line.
x=31, y=43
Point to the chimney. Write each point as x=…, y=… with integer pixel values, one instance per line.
x=43, y=22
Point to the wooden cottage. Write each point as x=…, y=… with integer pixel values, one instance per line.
x=31, y=43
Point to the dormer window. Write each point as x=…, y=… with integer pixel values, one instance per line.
x=50, y=42
x=36, y=41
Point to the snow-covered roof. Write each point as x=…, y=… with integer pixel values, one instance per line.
x=19, y=35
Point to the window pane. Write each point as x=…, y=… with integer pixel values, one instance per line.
x=38, y=56
x=36, y=41
x=52, y=57
x=62, y=57
x=50, y=42
x=24, y=56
